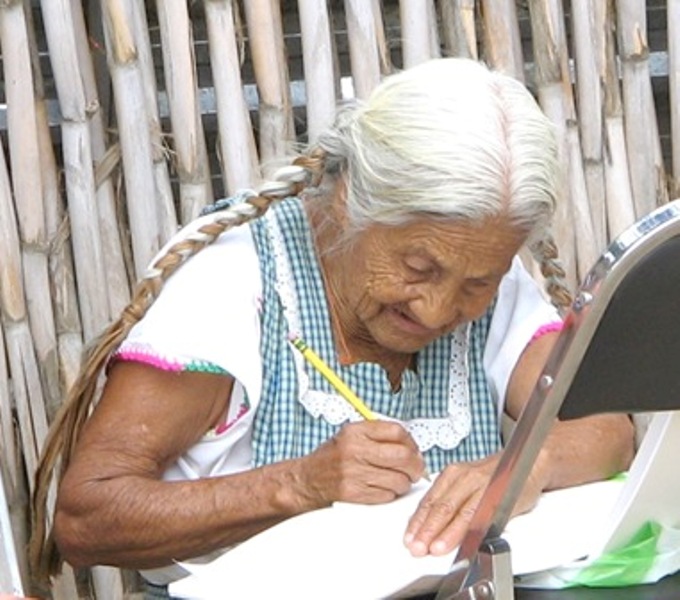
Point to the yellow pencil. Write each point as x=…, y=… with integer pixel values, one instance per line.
x=317, y=362
x=334, y=379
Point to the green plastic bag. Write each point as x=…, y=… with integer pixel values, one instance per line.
x=652, y=553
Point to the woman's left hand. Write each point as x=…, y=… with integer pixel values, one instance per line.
x=444, y=514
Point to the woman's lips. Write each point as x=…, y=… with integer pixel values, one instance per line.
x=406, y=324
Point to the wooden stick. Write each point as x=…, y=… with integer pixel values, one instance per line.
x=418, y=43
x=263, y=18
x=146, y=228
x=553, y=82
x=113, y=251
x=317, y=57
x=588, y=23
x=238, y=155
x=13, y=309
x=363, y=51
x=83, y=208
x=502, y=42
x=165, y=203
x=386, y=66
x=10, y=574
x=458, y=28
x=22, y=121
x=642, y=138
x=620, y=203
x=191, y=156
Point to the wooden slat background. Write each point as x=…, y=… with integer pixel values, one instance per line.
x=120, y=119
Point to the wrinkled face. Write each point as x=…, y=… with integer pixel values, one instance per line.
x=409, y=285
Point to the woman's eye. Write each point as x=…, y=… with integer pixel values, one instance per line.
x=420, y=267
x=478, y=286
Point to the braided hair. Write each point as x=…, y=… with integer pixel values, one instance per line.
x=68, y=423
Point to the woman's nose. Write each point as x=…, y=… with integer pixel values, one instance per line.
x=439, y=308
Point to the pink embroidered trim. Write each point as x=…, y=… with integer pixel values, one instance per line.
x=547, y=328
x=149, y=359
x=242, y=410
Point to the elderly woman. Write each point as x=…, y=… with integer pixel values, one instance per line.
x=391, y=249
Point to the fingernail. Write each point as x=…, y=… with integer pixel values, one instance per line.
x=438, y=548
x=418, y=549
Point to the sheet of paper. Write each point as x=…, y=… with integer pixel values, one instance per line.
x=356, y=551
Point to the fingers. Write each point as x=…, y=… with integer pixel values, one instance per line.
x=383, y=445
x=367, y=462
x=444, y=514
x=439, y=527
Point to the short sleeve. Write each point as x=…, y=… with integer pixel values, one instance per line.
x=521, y=310
x=208, y=313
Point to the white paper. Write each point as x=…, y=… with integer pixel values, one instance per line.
x=357, y=551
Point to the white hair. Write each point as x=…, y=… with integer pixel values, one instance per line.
x=448, y=138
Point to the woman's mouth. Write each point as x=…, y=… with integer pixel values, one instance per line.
x=407, y=324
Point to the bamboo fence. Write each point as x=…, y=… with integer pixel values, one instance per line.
x=120, y=120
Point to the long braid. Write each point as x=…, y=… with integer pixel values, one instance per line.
x=69, y=421
x=546, y=254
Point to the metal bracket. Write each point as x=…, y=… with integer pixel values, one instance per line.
x=490, y=578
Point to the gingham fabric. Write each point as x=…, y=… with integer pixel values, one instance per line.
x=284, y=428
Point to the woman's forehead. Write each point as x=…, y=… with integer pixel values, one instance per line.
x=433, y=234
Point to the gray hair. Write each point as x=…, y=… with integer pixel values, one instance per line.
x=450, y=139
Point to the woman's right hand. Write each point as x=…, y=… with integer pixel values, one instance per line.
x=368, y=462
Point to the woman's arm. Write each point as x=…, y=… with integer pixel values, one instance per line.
x=576, y=451
x=114, y=508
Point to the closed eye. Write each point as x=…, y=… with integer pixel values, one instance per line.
x=480, y=286
x=420, y=268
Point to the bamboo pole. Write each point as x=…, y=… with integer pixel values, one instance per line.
x=553, y=82
x=22, y=129
x=620, y=203
x=459, y=33
x=673, y=24
x=146, y=228
x=238, y=155
x=9, y=457
x=110, y=225
x=386, y=66
x=23, y=369
x=11, y=307
x=165, y=204
x=265, y=32
x=10, y=573
x=589, y=29
x=78, y=169
x=642, y=136
x=317, y=62
x=364, y=53
x=107, y=581
x=62, y=277
x=188, y=137
x=502, y=41
x=418, y=42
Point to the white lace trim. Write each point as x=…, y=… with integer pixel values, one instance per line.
x=285, y=290
x=446, y=432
